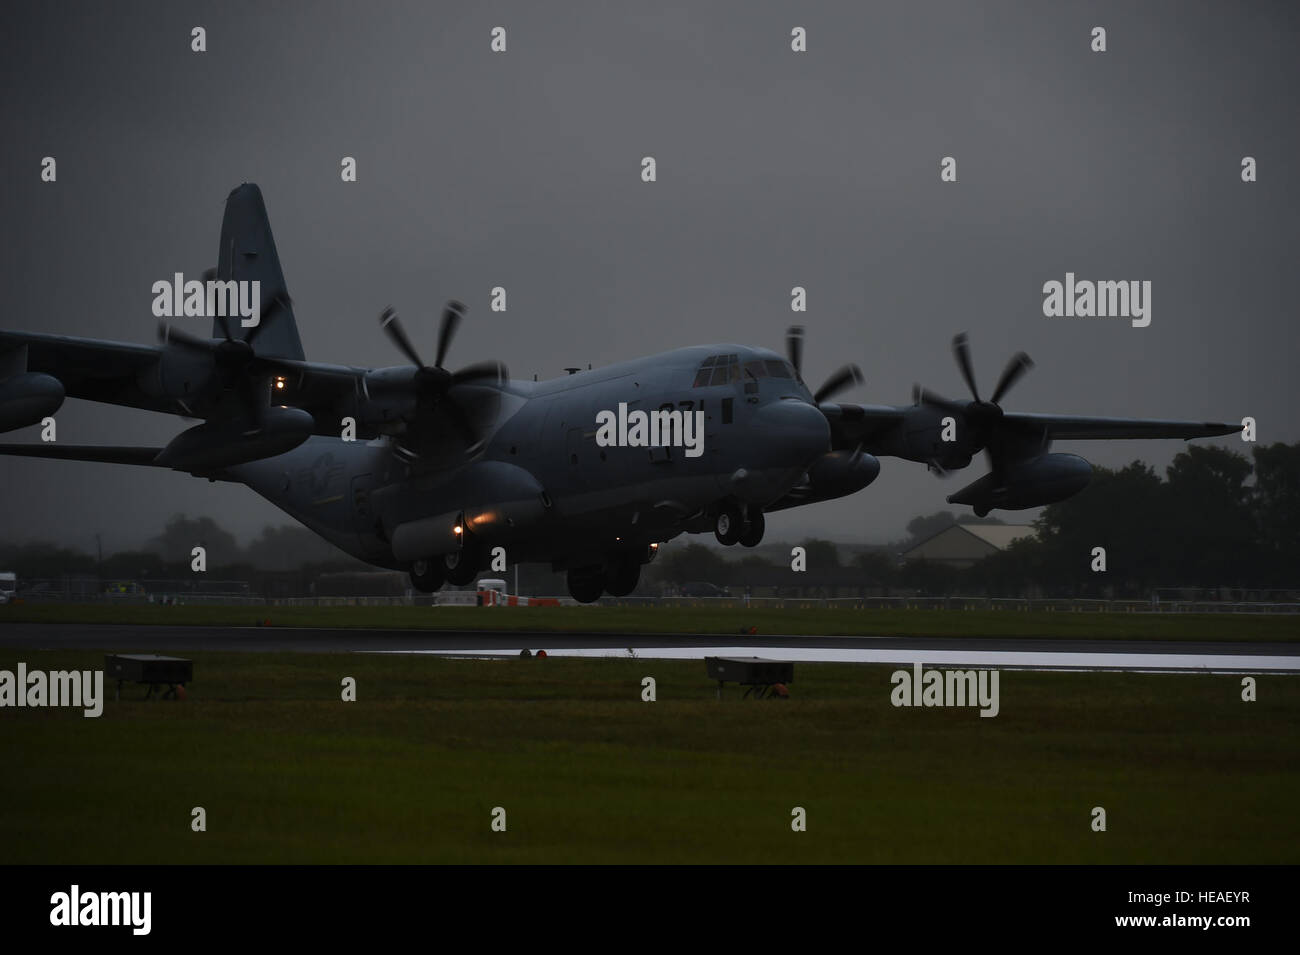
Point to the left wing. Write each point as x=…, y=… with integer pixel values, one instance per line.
x=1066, y=427
x=90, y=369
x=178, y=381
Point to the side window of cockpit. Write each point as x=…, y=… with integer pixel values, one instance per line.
x=704, y=377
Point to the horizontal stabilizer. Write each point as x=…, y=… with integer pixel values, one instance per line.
x=75, y=452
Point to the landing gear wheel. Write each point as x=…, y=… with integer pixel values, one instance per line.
x=461, y=566
x=586, y=584
x=729, y=524
x=982, y=512
x=621, y=578
x=752, y=535
x=426, y=576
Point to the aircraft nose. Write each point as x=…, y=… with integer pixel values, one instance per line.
x=794, y=432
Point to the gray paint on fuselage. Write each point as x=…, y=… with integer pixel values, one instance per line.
x=355, y=494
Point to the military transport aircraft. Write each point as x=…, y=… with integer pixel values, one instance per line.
x=428, y=470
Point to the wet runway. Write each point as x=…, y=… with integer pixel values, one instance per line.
x=1007, y=652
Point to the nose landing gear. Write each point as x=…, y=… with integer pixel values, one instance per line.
x=729, y=523
x=733, y=526
x=754, y=527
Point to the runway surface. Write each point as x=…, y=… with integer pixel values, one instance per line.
x=1006, y=652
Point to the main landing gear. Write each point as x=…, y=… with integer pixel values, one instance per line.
x=618, y=577
x=427, y=575
x=462, y=566
x=459, y=568
x=733, y=526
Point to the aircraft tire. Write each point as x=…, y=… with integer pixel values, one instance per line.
x=752, y=535
x=585, y=584
x=427, y=575
x=729, y=524
x=622, y=577
x=462, y=566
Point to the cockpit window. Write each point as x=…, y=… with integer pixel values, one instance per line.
x=755, y=369
x=718, y=370
x=779, y=369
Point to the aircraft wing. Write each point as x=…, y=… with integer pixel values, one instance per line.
x=91, y=369
x=119, y=372
x=1067, y=427
x=852, y=425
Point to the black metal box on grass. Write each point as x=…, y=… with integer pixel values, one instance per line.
x=751, y=671
x=149, y=668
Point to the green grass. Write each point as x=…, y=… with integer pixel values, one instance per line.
x=701, y=620
x=587, y=772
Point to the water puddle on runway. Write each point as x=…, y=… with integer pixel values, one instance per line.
x=1001, y=659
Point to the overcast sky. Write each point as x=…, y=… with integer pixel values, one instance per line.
x=775, y=169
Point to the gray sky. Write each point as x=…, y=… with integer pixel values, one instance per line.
x=775, y=169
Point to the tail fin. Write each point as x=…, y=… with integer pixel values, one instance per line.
x=248, y=254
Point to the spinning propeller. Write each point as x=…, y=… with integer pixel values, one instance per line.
x=983, y=417
x=433, y=383
x=235, y=360
x=844, y=377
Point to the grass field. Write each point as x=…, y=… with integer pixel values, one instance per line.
x=587, y=772
x=701, y=620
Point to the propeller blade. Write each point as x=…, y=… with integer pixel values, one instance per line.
x=961, y=350
x=451, y=317
x=794, y=349
x=845, y=377
x=1019, y=364
x=461, y=421
x=169, y=334
x=392, y=326
x=925, y=396
x=481, y=371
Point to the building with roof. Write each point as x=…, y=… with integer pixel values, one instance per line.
x=962, y=545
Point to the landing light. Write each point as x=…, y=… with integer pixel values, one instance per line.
x=457, y=529
x=279, y=383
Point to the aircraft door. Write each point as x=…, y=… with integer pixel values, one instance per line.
x=367, y=525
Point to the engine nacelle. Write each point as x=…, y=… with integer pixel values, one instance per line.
x=835, y=474
x=1042, y=480
x=216, y=445
x=27, y=398
x=841, y=473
